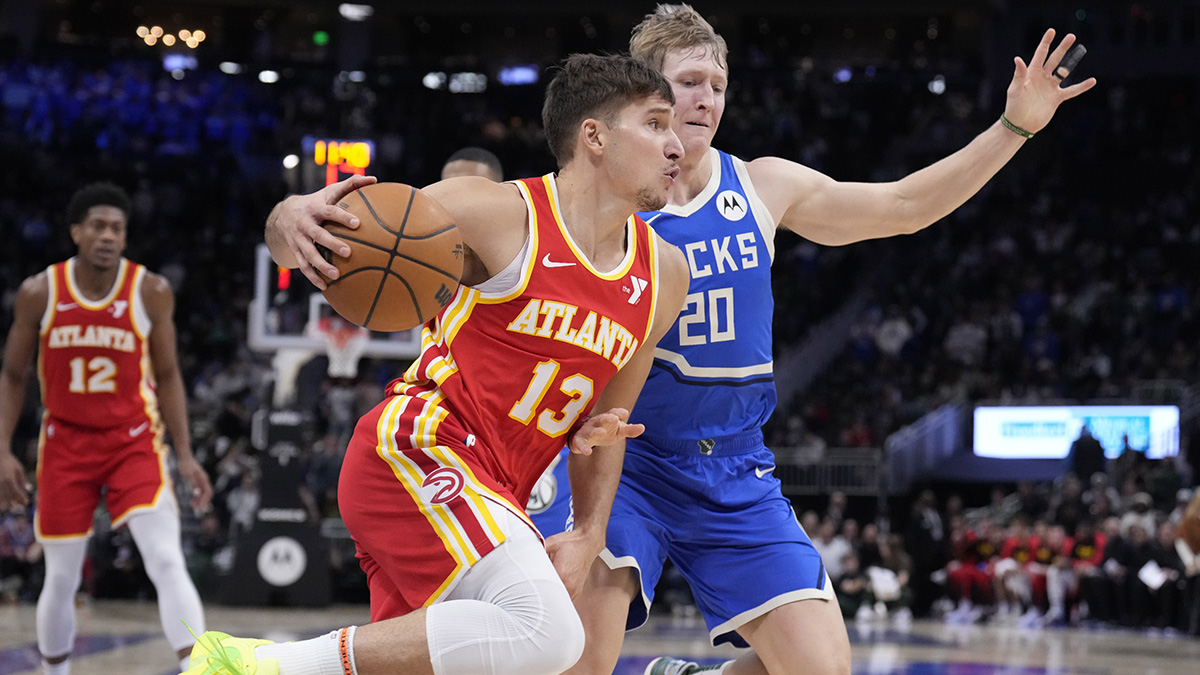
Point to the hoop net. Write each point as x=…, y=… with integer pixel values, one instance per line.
x=344, y=345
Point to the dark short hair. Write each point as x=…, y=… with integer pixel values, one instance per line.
x=96, y=194
x=591, y=86
x=474, y=154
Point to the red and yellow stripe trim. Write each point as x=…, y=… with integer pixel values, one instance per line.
x=409, y=467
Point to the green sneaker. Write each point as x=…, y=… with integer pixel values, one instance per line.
x=218, y=653
x=665, y=665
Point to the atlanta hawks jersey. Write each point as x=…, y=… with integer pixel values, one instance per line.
x=712, y=374
x=94, y=360
x=520, y=369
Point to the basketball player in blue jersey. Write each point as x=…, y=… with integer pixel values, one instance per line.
x=697, y=486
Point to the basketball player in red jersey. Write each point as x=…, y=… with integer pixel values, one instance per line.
x=562, y=288
x=103, y=332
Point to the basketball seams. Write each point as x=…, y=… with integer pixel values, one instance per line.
x=355, y=271
x=412, y=194
x=430, y=235
x=366, y=202
x=411, y=293
x=384, y=246
x=364, y=242
x=426, y=265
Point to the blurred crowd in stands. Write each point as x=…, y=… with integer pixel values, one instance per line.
x=1067, y=278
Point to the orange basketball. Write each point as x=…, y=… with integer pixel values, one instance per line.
x=405, y=262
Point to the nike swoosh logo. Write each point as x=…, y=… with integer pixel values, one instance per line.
x=763, y=472
x=137, y=431
x=64, y=306
x=550, y=263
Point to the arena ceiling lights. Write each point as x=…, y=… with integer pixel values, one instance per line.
x=154, y=34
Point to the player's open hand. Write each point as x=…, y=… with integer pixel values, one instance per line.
x=14, y=489
x=604, y=429
x=1036, y=90
x=197, y=477
x=572, y=553
x=297, y=221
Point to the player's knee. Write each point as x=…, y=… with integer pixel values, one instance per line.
x=162, y=560
x=833, y=660
x=558, y=637
x=63, y=580
x=563, y=646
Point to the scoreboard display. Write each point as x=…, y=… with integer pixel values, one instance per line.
x=325, y=161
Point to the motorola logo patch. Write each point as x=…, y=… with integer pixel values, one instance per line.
x=732, y=205
x=282, y=561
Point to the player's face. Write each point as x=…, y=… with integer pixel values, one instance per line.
x=699, y=83
x=101, y=236
x=645, y=151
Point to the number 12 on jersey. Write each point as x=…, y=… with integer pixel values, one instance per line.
x=550, y=422
x=102, y=371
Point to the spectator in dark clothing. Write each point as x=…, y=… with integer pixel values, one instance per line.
x=1068, y=508
x=854, y=588
x=1030, y=502
x=1105, y=592
x=1166, y=600
x=868, y=546
x=927, y=541
x=1087, y=455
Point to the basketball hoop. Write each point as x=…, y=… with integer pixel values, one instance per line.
x=344, y=345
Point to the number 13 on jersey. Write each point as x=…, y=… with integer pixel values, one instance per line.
x=550, y=422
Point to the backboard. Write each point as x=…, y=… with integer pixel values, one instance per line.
x=287, y=306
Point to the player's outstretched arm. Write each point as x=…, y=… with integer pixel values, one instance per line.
x=835, y=213
x=598, y=449
x=172, y=399
x=19, y=351
x=294, y=229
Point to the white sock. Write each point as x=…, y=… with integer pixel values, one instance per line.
x=60, y=668
x=183, y=663
x=318, y=656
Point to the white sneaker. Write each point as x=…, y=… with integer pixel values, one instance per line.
x=863, y=615
x=665, y=665
x=902, y=618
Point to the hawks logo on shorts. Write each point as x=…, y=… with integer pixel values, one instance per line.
x=442, y=485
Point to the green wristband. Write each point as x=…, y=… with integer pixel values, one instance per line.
x=1014, y=128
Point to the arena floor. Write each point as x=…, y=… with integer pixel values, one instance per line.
x=124, y=637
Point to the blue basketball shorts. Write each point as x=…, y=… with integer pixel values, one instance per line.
x=719, y=513
x=549, y=504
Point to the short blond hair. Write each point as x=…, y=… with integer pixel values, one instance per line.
x=672, y=27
